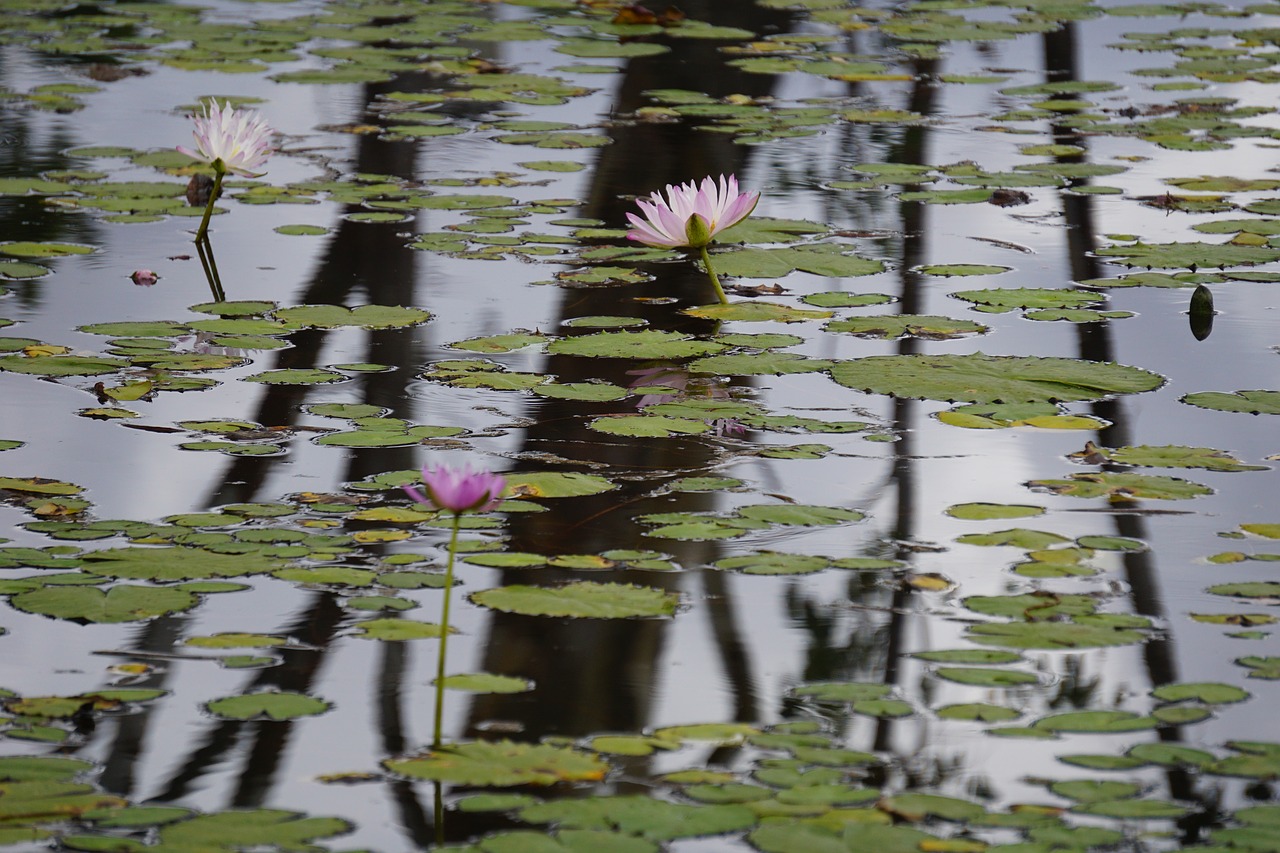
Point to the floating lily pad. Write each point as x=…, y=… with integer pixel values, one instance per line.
x=250, y=828
x=24, y=249
x=398, y=630
x=484, y=682
x=120, y=603
x=1007, y=299
x=991, y=379
x=1253, y=402
x=825, y=259
x=581, y=599
x=758, y=364
x=983, y=511
x=363, y=316
x=1053, y=635
x=755, y=311
x=892, y=326
x=61, y=365
x=647, y=343
x=501, y=764
x=1123, y=486
x=986, y=677
x=268, y=706
x=1174, y=456
x=658, y=820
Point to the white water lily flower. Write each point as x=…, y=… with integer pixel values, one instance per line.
x=231, y=140
x=691, y=215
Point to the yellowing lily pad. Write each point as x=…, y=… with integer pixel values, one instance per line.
x=25, y=249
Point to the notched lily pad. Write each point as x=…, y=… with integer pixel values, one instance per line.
x=581, y=600
x=268, y=706
x=981, y=378
x=501, y=764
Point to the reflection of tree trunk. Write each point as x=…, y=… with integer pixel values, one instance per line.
x=911, y=301
x=1095, y=344
x=363, y=263
x=315, y=626
x=160, y=636
x=390, y=721
x=599, y=675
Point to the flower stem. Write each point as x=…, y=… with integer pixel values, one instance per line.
x=203, y=232
x=444, y=632
x=706, y=262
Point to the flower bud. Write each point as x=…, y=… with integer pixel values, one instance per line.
x=697, y=231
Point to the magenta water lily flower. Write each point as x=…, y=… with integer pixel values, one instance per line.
x=691, y=215
x=459, y=490
x=231, y=140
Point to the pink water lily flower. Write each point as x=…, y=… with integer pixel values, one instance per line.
x=231, y=140
x=459, y=490
x=691, y=215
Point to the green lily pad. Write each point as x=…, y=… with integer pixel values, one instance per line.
x=1248, y=589
x=1175, y=456
x=500, y=343
x=646, y=343
x=1208, y=693
x=501, y=764
x=915, y=806
x=397, y=630
x=983, y=378
x=1096, y=722
x=244, y=829
x=963, y=269
x=893, y=326
x=297, y=376
x=1123, y=487
x=843, y=299
x=362, y=316
x=773, y=563
x=1134, y=809
x=984, y=511
x=268, y=706
x=648, y=426
x=178, y=563
x=658, y=820
x=1053, y=635
x=555, y=484
x=1189, y=255
x=1007, y=299
x=485, y=682
x=986, y=677
x=228, y=640
x=825, y=259
x=120, y=603
x=755, y=311
x=758, y=364
x=1253, y=402
x=24, y=249
x=581, y=599
x=61, y=365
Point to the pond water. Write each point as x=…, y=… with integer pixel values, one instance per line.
x=952, y=531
